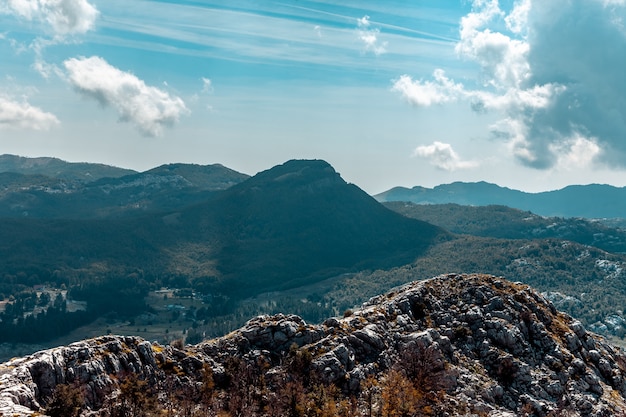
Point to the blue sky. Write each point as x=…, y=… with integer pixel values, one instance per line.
x=524, y=94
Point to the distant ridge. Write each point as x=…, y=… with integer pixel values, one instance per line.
x=51, y=188
x=57, y=168
x=591, y=201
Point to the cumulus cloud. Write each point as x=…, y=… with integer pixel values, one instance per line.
x=149, y=108
x=585, y=51
x=502, y=59
x=426, y=93
x=370, y=36
x=576, y=152
x=443, y=156
x=64, y=17
x=552, y=70
x=22, y=115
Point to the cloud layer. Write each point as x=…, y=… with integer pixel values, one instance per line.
x=22, y=115
x=149, y=108
x=552, y=70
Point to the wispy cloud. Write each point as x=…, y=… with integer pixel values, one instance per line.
x=282, y=37
x=443, y=156
x=22, y=115
x=149, y=108
x=370, y=36
x=207, y=85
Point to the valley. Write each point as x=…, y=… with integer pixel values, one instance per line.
x=295, y=238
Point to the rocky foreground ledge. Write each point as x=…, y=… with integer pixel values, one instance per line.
x=480, y=345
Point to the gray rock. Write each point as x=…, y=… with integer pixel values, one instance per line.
x=489, y=347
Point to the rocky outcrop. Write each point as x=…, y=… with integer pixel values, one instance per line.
x=485, y=345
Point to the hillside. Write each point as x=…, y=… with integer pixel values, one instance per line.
x=590, y=201
x=585, y=282
x=508, y=223
x=300, y=222
x=453, y=345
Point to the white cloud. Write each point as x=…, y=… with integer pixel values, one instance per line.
x=443, y=156
x=514, y=101
x=369, y=37
x=22, y=115
x=364, y=22
x=502, y=59
x=517, y=20
x=46, y=69
x=427, y=93
x=549, y=90
x=583, y=46
x=577, y=152
x=65, y=17
x=149, y=108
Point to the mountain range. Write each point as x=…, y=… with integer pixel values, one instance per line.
x=297, y=230
x=51, y=188
x=589, y=201
x=295, y=223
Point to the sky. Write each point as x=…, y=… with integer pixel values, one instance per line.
x=526, y=94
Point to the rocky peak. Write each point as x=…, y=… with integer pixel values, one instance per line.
x=299, y=175
x=473, y=345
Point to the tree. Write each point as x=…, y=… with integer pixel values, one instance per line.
x=321, y=401
x=370, y=394
x=290, y=400
x=399, y=396
x=135, y=398
x=67, y=401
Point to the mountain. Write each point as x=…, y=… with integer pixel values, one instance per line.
x=24, y=193
x=590, y=201
x=509, y=223
x=454, y=345
x=299, y=222
x=295, y=223
x=56, y=168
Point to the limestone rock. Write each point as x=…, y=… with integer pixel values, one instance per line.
x=485, y=345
